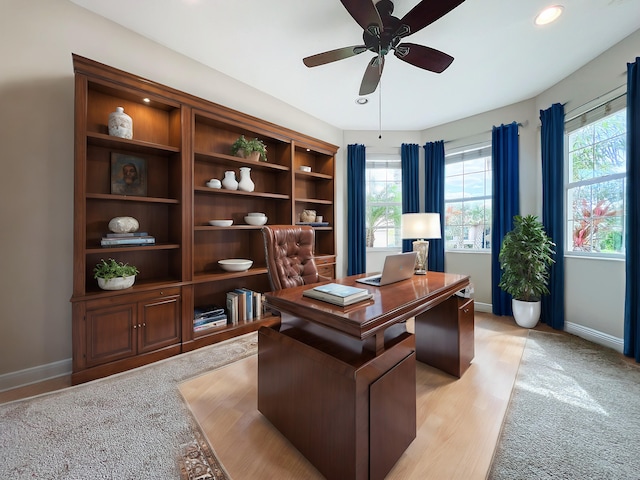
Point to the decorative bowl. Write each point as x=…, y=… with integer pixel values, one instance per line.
x=117, y=283
x=123, y=225
x=235, y=264
x=255, y=220
x=221, y=223
x=256, y=214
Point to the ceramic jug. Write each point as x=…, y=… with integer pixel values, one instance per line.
x=245, y=184
x=229, y=181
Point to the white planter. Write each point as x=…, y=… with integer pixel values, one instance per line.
x=118, y=283
x=526, y=314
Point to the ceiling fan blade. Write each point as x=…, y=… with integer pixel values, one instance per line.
x=372, y=75
x=425, y=13
x=364, y=12
x=423, y=57
x=333, y=55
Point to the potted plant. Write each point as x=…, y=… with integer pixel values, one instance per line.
x=525, y=258
x=113, y=275
x=245, y=148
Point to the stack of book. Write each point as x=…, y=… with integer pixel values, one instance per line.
x=244, y=305
x=208, y=316
x=120, y=239
x=337, y=294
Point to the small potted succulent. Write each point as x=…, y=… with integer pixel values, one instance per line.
x=114, y=275
x=249, y=148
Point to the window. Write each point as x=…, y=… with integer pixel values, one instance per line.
x=595, y=149
x=467, y=199
x=384, y=201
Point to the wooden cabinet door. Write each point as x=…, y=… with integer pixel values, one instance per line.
x=158, y=323
x=111, y=333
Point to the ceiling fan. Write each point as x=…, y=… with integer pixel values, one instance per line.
x=384, y=32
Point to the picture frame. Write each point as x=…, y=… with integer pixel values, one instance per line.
x=128, y=175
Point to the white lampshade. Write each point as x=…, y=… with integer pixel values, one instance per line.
x=421, y=225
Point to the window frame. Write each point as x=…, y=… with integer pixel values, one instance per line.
x=475, y=151
x=592, y=115
x=393, y=158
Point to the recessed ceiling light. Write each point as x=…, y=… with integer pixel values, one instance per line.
x=549, y=14
x=146, y=100
x=362, y=100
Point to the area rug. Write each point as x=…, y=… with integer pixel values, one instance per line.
x=574, y=413
x=133, y=425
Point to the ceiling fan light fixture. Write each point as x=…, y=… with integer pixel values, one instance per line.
x=549, y=15
x=362, y=101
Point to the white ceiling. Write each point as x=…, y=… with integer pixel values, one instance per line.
x=501, y=57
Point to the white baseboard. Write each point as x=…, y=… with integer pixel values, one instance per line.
x=482, y=307
x=37, y=374
x=595, y=336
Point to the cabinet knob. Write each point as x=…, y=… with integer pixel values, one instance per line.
x=465, y=310
x=144, y=324
x=135, y=326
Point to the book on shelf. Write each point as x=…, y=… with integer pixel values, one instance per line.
x=211, y=323
x=257, y=304
x=232, y=307
x=111, y=242
x=126, y=235
x=205, y=311
x=248, y=297
x=337, y=294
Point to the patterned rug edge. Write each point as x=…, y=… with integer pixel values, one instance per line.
x=197, y=460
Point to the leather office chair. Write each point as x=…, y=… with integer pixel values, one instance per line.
x=289, y=255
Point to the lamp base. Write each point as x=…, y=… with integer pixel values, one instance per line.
x=422, y=247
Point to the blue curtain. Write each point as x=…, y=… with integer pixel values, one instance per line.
x=552, y=143
x=409, y=155
x=505, y=204
x=434, y=199
x=356, y=208
x=632, y=265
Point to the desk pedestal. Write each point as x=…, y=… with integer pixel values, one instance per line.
x=445, y=335
x=350, y=412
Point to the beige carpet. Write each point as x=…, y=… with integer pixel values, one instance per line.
x=134, y=425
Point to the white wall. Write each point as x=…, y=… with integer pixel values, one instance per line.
x=36, y=138
x=36, y=141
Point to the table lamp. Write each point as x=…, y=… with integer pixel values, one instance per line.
x=421, y=226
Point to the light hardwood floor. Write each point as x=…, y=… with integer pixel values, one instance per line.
x=458, y=420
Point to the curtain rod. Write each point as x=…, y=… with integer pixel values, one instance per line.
x=520, y=124
x=596, y=105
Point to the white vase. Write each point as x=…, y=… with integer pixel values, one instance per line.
x=245, y=184
x=120, y=124
x=229, y=181
x=526, y=314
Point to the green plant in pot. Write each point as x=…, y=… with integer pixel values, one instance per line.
x=244, y=148
x=525, y=258
x=114, y=275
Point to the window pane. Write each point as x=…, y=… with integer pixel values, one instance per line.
x=468, y=202
x=383, y=203
x=474, y=185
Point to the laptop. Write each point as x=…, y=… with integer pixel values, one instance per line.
x=396, y=267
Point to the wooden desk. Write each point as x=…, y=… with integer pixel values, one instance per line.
x=339, y=383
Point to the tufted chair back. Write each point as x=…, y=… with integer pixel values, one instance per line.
x=289, y=255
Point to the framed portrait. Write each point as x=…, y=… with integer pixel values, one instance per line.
x=128, y=175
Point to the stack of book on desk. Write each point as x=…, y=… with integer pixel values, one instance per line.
x=208, y=316
x=337, y=294
x=121, y=239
